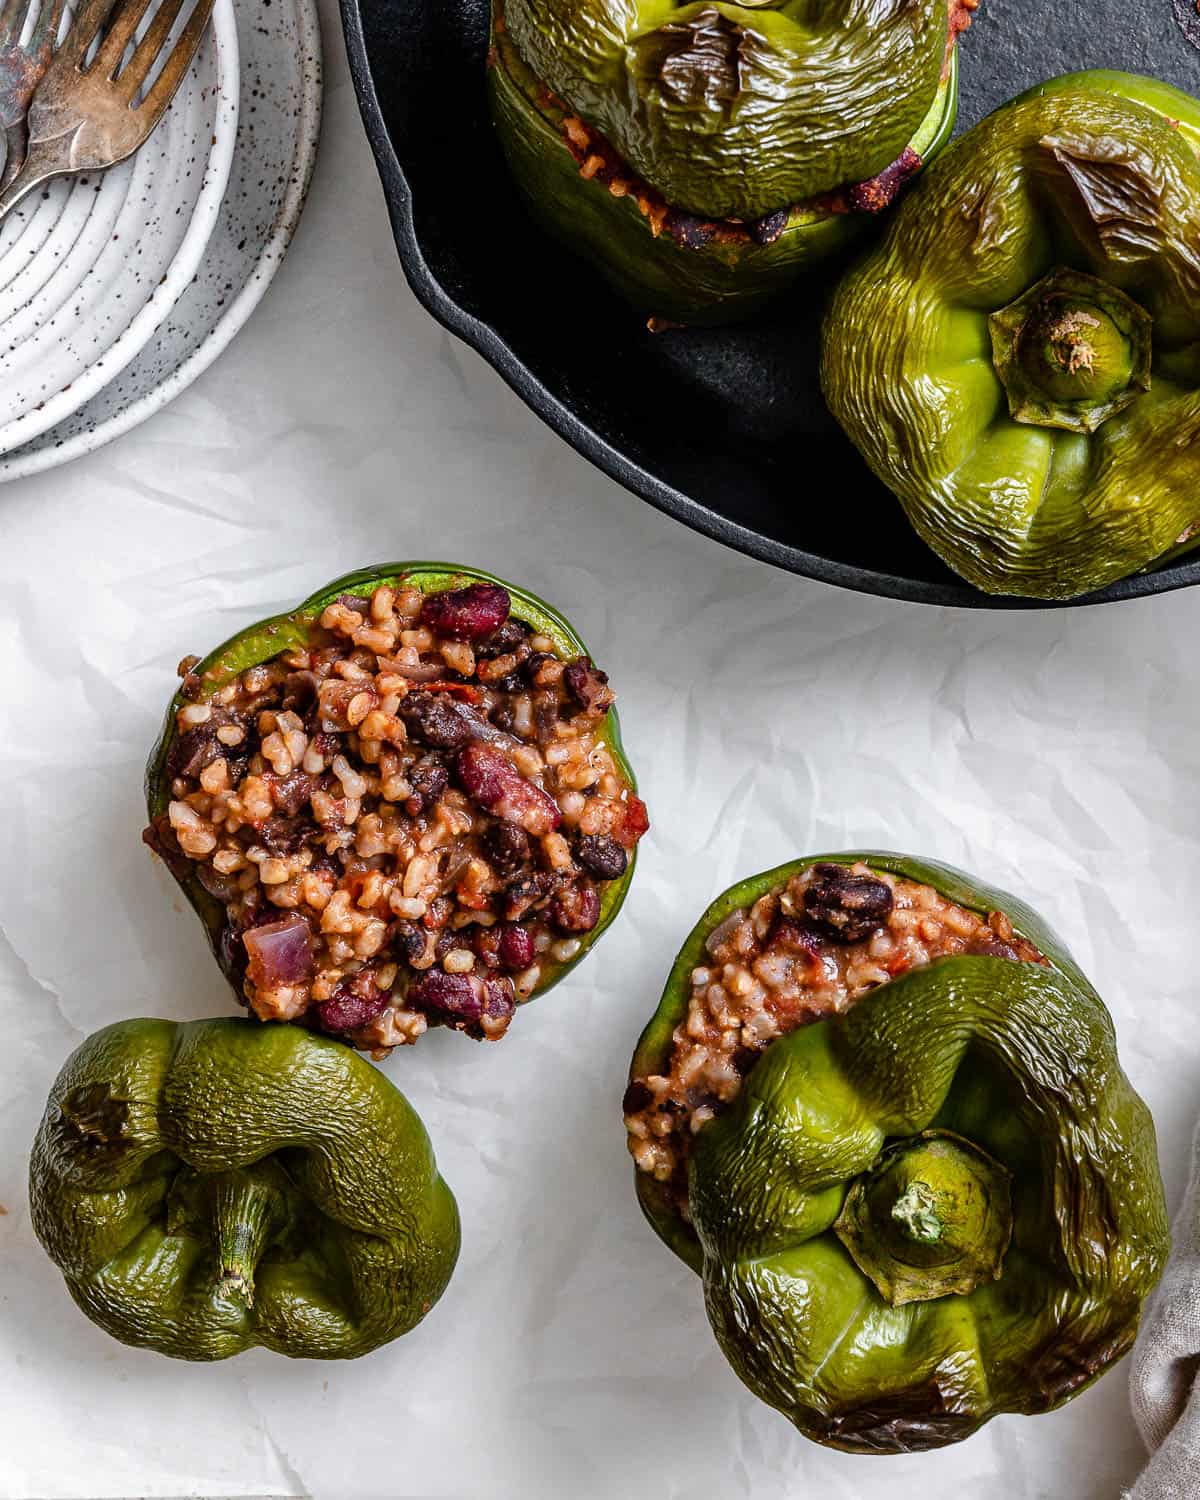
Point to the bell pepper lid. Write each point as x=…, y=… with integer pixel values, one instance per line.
x=267, y=638
x=930, y=138
x=654, y=1045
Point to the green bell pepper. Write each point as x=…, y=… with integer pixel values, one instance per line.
x=730, y=137
x=268, y=638
x=1019, y=358
x=208, y=1187
x=940, y=1205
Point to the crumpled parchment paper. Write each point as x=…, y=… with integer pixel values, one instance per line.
x=1055, y=753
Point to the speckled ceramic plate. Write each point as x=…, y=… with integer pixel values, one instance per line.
x=90, y=267
x=273, y=155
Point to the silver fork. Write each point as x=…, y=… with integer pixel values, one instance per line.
x=84, y=116
x=21, y=67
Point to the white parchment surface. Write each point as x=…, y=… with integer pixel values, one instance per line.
x=1054, y=753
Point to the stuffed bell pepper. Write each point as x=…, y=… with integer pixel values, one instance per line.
x=702, y=155
x=1019, y=358
x=209, y=1187
x=404, y=804
x=879, y=1110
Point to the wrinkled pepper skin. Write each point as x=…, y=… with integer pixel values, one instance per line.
x=265, y=640
x=1015, y=1061
x=212, y=1186
x=756, y=146
x=1037, y=456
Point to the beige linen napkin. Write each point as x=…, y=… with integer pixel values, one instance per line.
x=1165, y=1381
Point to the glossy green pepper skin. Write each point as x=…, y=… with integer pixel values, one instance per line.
x=1045, y=1188
x=266, y=639
x=208, y=1187
x=1019, y=358
x=756, y=177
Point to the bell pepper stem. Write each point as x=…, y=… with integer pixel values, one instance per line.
x=916, y=1213
x=249, y=1211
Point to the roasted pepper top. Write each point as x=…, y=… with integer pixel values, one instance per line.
x=735, y=111
x=209, y=1187
x=937, y=1203
x=413, y=809
x=1018, y=359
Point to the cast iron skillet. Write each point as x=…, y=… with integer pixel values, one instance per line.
x=723, y=429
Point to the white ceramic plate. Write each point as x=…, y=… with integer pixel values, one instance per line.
x=276, y=145
x=90, y=267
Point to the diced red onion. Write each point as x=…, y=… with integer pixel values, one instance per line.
x=279, y=953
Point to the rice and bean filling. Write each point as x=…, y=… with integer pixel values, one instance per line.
x=410, y=820
x=806, y=950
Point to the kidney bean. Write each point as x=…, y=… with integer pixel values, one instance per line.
x=460, y=995
x=357, y=1000
x=468, y=614
x=514, y=947
x=500, y=1001
x=491, y=780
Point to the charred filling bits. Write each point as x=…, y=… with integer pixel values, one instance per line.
x=409, y=821
x=804, y=951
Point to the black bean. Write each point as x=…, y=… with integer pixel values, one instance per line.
x=602, y=856
x=408, y=942
x=533, y=665
x=192, y=750
x=501, y=642
x=844, y=906
x=506, y=846
x=287, y=835
x=435, y=720
x=588, y=685
x=429, y=778
x=637, y=1097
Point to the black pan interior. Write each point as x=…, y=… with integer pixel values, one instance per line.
x=723, y=429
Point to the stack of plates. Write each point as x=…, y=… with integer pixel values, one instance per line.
x=116, y=290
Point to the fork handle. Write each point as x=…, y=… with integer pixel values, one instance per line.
x=15, y=136
x=38, y=167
